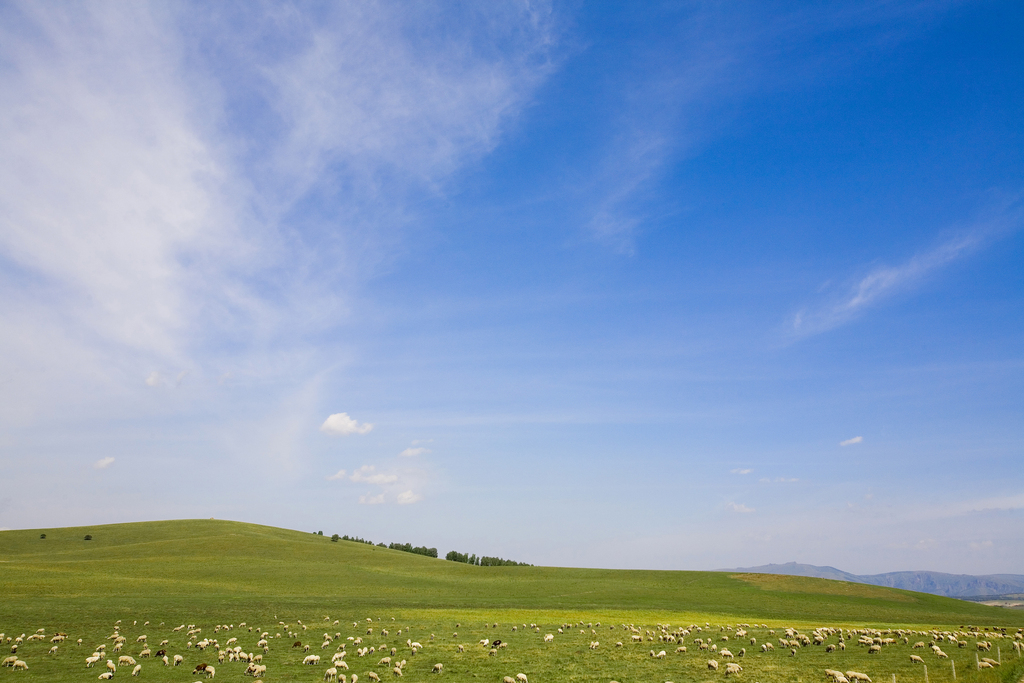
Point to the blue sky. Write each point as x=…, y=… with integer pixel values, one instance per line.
x=680, y=285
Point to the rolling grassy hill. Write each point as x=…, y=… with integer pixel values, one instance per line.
x=211, y=565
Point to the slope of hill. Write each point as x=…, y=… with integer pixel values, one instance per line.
x=209, y=564
x=935, y=583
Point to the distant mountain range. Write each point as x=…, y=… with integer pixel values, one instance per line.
x=936, y=583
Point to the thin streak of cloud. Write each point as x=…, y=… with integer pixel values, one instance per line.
x=371, y=500
x=103, y=463
x=850, y=442
x=739, y=507
x=741, y=471
x=884, y=282
x=413, y=452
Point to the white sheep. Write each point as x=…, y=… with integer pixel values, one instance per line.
x=178, y=660
x=373, y=676
x=712, y=665
x=331, y=674
x=522, y=678
x=210, y=672
x=437, y=668
x=137, y=670
x=732, y=668
x=106, y=676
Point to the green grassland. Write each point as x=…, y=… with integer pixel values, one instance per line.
x=210, y=573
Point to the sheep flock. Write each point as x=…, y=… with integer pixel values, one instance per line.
x=376, y=648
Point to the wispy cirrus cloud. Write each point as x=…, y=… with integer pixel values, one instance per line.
x=850, y=442
x=103, y=463
x=884, y=282
x=738, y=507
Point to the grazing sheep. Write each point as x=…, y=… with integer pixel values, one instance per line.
x=916, y=659
x=712, y=665
x=724, y=653
x=397, y=671
x=437, y=668
x=125, y=660
x=508, y=679
x=460, y=648
x=874, y=649
x=19, y=665
x=106, y=676
x=732, y=668
x=384, y=661
x=178, y=660
x=331, y=674
x=549, y=637
x=210, y=672
x=990, y=661
x=137, y=670
x=522, y=678
x=858, y=676
x=373, y=676
x=10, y=660
x=311, y=660
x=110, y=667
x=984, y=665
x=53, y=650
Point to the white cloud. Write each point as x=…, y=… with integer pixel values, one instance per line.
x=738, y=507
x=371, y=500
x=367, y=474
x=850, y=442
x=412, y=452
x=103, y=463
x=153, y=379
x=779, y=480
x=980, y=545
x=408, y=497
x=885, y=281
x=340, y=424
x=741, y=471
x=337, y=476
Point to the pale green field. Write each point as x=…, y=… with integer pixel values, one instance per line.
x=211, y=573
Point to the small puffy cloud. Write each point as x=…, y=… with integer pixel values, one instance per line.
x=738, y=507
x=367, y=475
x=413, y=452
x=741, y=471
x=340, y=474
x=408, y=497
x=153, y=379
x=371, y=500
x=340, y=424
x=103, y=463
x=850, y=442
